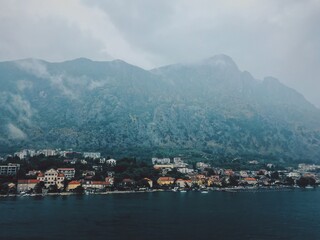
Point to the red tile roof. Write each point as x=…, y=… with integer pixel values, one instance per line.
x=250, y=179
x=28, y=181
x=165, y=179
x=74, y=183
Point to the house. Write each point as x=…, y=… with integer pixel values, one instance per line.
x=73, y=185
x=95, y=185
x=25, y=185
x=111, y=162
x=228, y=172
x=70, y=161
x=128, y=182
x=243, y=174
x=214, y=180
x=165, y=181
x=202, y=165
x=250, y=180
x=181, y=183
x=52, y=177
x=149, y=181
x=97, y=167
x=33, y=173
x=93, y=155
x=68, y=172
x=109, y=181
x=185, y=170
x=88, y=174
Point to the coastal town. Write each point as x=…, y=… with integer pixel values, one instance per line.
x=53, y=171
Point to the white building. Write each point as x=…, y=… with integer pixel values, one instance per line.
x=47, y=152
x=202, y=165
x=160, y=161
x=185, y=170
x=294, y=174
x=67, y=172
x=25, y=185
x=91, y=155
x=25, y=153
x=111, y=162
x=9, y=170
x=52, y=177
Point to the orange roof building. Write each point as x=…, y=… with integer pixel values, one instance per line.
x=165, y=181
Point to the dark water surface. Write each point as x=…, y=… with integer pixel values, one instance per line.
x=167, y=215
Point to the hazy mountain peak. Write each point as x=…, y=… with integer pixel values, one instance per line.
x=271, y=80
x=221, y=61
x=80, y=60
x=207, y=107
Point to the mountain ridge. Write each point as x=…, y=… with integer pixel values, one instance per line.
x=207, y=108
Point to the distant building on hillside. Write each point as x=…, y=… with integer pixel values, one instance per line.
x=68, y=172
x=25, y=153
x=47, y=152
x=91, y=155
x=9, y=170
x=160, y=161
x=111, y=162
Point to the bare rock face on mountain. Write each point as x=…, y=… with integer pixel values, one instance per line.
x=208, y=108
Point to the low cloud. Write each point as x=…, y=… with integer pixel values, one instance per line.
x=266, y=37
x=39, y=69
x=15, y=133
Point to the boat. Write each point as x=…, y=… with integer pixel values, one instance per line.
x=309, y=187
x=204, y=191
x=183, y=191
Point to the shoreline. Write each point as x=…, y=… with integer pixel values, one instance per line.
x=226, y=190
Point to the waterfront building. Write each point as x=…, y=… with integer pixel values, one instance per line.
x=73, y=185
x=165, y=181
x=25, y=185
x=52, y=177
x=250, y=180
x=181, y=183
x=149, y=181
x=95, y=185
x=109, y=181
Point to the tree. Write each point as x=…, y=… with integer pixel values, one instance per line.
x=53, y=189
x=38, y=187
x=289, y=181
x=79, y=190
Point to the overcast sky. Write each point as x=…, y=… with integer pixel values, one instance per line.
x=266, y=37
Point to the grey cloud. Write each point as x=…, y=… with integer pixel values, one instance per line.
x=266, y=37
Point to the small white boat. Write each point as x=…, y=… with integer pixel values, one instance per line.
x=204, y=191
x=309, y=187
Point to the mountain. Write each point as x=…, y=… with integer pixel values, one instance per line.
x=208, y=108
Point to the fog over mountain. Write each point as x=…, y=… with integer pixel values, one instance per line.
x=207, y=108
